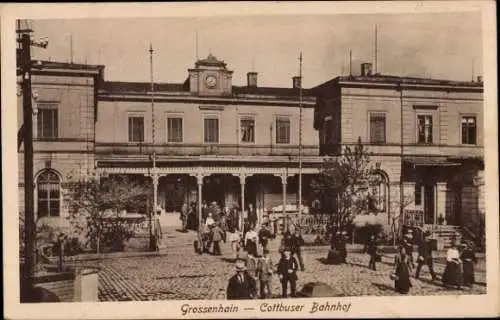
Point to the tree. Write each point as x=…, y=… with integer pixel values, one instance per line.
x=346, y=180
x=398, y=206
x=94, y=206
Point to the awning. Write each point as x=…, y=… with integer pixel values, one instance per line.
x=430, y=161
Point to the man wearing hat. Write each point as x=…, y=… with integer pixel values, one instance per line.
x=241, y=286
x=287, y=270
x=425, y=256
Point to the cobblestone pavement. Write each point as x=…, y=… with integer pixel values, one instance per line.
x=177, y=272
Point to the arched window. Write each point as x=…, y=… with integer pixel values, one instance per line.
x=48, y=194
x=379, y=191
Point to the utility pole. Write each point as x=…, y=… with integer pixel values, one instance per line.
x=401, y=185
x=350, y=62
x=376, y=50
x=25, y=65
x=154, y=175
x=300, y=136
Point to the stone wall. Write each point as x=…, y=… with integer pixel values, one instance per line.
x=61, y=284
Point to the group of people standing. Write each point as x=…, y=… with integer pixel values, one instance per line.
x=254, y=275
x=459, y=270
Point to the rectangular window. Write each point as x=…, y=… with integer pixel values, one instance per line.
x=136, y=129
x=174, y=129
x=247, y=127
x=424, y=129
x=468, y=130
x=47, y=122
x=418, y=194
x=211, y=130
x=377, y=128
x=283, y=130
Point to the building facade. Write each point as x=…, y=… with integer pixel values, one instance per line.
x=210, y=140
x=65, y=104
x=205, y=140
x=426, y=140
x=201, y=140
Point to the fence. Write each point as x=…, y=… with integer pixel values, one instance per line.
x=413, y=218
x=309, y=223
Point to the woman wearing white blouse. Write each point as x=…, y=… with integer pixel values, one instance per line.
x=452, y=275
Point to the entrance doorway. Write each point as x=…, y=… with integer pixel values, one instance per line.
x=429, y=204
x=213, y=190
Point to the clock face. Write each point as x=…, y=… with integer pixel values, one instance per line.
x=210, y=81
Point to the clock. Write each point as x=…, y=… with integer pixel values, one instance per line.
x=211, y=81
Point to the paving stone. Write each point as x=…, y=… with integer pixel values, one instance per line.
x=177, y=272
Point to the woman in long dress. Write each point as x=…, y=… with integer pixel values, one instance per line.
x=452, y=275
x=469, y=260
x=402, y=283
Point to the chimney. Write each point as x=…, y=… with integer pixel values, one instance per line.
x=252, y=79
x=366, y=69
x=480, y=79
x=296, y=82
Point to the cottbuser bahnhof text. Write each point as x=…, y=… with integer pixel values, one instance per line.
x=268, y=307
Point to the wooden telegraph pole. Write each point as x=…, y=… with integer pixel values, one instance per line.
x=24, y=66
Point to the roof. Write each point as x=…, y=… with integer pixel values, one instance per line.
x=119, y=87
x=211, y=60
x=141, y=87
x=71, y=66
x=274, y=91
x=396, y=80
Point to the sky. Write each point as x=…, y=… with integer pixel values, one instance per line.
x=436, y=45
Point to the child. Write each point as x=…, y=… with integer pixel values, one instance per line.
x=287, y=270
x=265, y=271
x=372, y=250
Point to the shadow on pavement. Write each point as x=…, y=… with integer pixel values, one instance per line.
x=325, y=261
x=228, y=260
x=383, y=287
x=436, y=282
x=359, y=265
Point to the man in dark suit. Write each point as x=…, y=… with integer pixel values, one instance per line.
x=294, y=241
x=287, y=271
x=241, y=286
x=425, y=256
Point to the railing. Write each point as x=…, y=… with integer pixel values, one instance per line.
x=413, y=218
x=205, y=149
x=308, y=223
